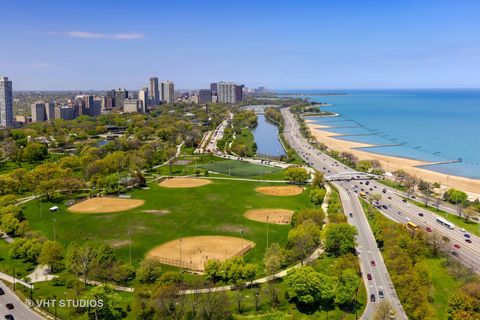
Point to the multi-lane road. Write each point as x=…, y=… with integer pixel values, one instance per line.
x=20, y=310
x=463, y=246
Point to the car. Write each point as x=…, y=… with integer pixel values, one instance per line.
x=361, y=182
x=369, y=276
x=468, y=240
x=457, y=246
x=355, y=191
x=351, y=214
x=428, y=229
x=390, y=198
x=372, y=263
x=9, y=306
x=371, y=189
x=384, y=190
x=384, y=206
x=372, y=297
x=375, y=187
x=380, y=294
x=9, y=317
x=2, y=292
x=466, y=235
x=404, y=200
x=420, y=214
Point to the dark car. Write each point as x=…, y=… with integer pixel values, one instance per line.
x=404, y=200
x=372, y=263
x=389, y=197
x=454, y=253
x=2, y=292
x=372, y=297
x=369, y=276
x=384, y=190
x=9, y=317
x=466, y=235
x=9, y=306
x=384, y=206
x=367, y=182
x=420, y=214
x=468, y=240
x=380, y=294
x=351, y=214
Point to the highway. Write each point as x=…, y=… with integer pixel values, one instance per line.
x=20, y=311
x=366, y=244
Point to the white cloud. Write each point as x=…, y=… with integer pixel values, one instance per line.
x=96, y=35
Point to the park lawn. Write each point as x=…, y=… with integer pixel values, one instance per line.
x=214, y=209
x=470, y=226
x=246, y=138
x=443, y=286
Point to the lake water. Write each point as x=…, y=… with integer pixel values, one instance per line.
x=266, y=137
x=430, y=125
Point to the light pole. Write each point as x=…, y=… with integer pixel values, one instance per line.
x=181, y=252
x=129, y=232
x=267, y=231
x=54, y=229
x=241, y=232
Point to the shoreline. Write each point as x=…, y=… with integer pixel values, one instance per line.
x=391, y=163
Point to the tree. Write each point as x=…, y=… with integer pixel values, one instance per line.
x=34, y=151
x=426, y=189
x=296, y=174
x=168, y=303
x=339, y=238
x=318, y=180
x=469, y=212
x=10, y=225
x=149, y=270
x=215, y=306
x=302, y=239
x=108, y=309
x=51, y=255
x=273, y=259
x=213, y=270
x=80, y=259
x=310, y=287
x=317, y=196
x=347, y=287
x=316, y=215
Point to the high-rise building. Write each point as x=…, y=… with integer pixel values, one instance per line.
x=6, y=103
x=168, y=92
x=120, y=96
x=154, y=93
x=143, y=97
x=239, y=93
x=50, y=110
x=65, y=113
x=38, y=112
x=213, y=87
x=226, y=92
x=131, y=106
x=97, y=107
x=110, y=101
x=204, y=96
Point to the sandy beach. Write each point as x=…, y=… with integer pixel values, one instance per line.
x=390, y=164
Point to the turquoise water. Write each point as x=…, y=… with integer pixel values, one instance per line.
x=266, y=137
x=430, y=125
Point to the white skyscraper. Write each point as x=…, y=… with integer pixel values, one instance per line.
x=6, y=103
x=226, y=92
x=143, y=97
x=168, y=92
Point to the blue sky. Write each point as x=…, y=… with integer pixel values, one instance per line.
x=281, y=44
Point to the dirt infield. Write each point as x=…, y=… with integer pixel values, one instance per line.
x=193, y=252
x=184, y=183
x=105, y=205
x=280, y=190
x=276, y=216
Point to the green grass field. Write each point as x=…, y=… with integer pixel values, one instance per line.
x=215, y=209
x=239, y=168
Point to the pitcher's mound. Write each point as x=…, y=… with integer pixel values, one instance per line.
x=277, y=216
x=105, y=205
x=184, y=183
x=280, y=190
x=193, y=252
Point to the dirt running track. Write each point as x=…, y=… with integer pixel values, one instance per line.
x=105, y=205
x=195, y=251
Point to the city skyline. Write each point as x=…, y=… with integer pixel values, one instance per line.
x=306, y=45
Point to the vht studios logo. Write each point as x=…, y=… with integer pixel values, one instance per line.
x=65, y=303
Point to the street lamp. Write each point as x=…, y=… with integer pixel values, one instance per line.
x=129, y=232
x=267, y=231
x=54, y=229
